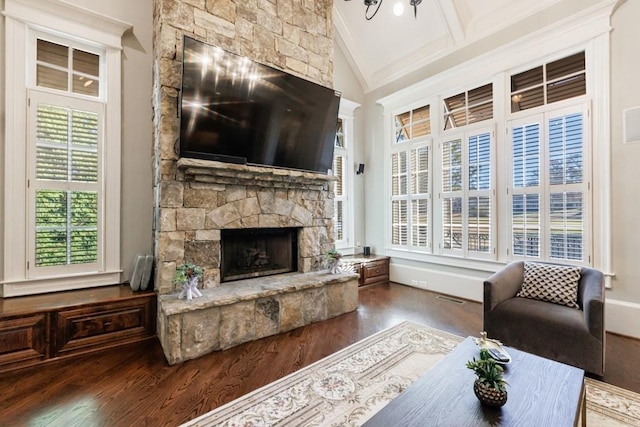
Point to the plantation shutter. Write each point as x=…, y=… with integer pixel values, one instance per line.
x=566, y=205
x=420, y=197
x=339, y=195
x=399, y=202
x=452, y=195
x=525, y=215
x=479, y=201
x=65, y=187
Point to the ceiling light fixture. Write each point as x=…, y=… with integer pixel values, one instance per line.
x=370, y=3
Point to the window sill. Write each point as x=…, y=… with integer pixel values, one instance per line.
x=446, y=260
x=40, y=286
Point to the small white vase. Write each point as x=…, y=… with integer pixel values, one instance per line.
x=190, y=289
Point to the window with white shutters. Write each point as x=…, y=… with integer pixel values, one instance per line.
x=64, y=186
x=63, y=118
x=340, y=154
x=410, y=180
x=467, y=195
x=549, y=189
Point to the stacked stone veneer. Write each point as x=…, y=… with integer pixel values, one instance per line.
x=195, y=200
x=250, y=309
x=212, y=196
x=293, y=35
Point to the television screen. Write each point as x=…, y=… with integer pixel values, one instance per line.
x=236, y=110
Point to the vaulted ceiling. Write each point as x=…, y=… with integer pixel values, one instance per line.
x=388, y=47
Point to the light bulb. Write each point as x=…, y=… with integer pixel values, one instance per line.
x=398, y=9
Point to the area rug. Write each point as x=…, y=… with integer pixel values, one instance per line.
x=350, y=386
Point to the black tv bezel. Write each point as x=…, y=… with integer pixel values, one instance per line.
x=202, y=155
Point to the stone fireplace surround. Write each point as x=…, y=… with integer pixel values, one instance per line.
x=212, y=196
x=195, y=200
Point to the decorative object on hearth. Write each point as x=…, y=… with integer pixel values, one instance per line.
x=397, y=10
x=347, y=267
x=490, y=385
x=187, y=275
x=333, y=257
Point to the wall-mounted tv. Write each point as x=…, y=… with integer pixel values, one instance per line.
x=233, y=109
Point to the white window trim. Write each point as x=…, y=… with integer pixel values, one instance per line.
x=346, y=112
x=61, y=18
x=589, y=30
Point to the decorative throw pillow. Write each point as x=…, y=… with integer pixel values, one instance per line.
x=553, y=283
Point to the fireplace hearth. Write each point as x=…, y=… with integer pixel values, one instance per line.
x=256, y=252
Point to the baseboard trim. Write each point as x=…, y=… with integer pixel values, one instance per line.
x=620, y=317
x=464, y=286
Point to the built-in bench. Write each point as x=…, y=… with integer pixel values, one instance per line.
x=246, y=310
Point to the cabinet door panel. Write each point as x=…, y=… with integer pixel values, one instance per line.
x=23, y=341
x=90, y=328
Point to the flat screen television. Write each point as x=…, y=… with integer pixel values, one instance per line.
x=233, y=109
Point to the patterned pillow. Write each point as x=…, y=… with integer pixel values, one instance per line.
x=552, y=283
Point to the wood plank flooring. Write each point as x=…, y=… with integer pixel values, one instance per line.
x=134, y=385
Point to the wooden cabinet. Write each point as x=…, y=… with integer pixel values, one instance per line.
x=371, y=268
x=84, y=329
x=39, y=328
x=23, y=340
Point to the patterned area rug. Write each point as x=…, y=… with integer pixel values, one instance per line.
x=350, y=386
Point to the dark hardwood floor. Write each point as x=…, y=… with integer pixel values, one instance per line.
x=134, y=385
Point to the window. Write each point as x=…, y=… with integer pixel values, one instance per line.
x=549, y=190
x=468, y=107
x=64, y=189
x=62, y=198
x=548, y=83
x=539, y=189
x=340, y=155
x=410, y=179
x=467, y=197
x=343, y=191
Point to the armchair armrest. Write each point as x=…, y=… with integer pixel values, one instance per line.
x=503, y=284
x=591, y=299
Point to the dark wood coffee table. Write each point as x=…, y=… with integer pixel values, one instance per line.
x=541, y=393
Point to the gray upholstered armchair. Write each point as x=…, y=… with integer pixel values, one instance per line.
x=568, y=335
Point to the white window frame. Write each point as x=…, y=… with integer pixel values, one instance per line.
x=346, y=113
x=588, y=30
x=76, y=24
x=544, y=189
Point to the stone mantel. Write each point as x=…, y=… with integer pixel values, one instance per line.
x=261, y=176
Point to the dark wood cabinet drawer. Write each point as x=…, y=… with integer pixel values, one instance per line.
x=371, y=268
x=23, y=340
x=377, y=268
x=84, y=329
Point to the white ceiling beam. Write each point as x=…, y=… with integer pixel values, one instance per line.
x=452, y=18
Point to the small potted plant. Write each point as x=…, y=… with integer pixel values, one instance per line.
x=333, y=256
x=490, y=385
x=187, y=275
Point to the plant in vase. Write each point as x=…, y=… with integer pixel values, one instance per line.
x=187, y=275
x=490, y=385
x=333, y=256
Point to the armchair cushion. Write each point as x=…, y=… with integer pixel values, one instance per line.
x=552, y=283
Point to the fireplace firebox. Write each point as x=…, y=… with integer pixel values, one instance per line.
x=255, y=252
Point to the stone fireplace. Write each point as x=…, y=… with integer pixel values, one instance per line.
x=197, y=202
